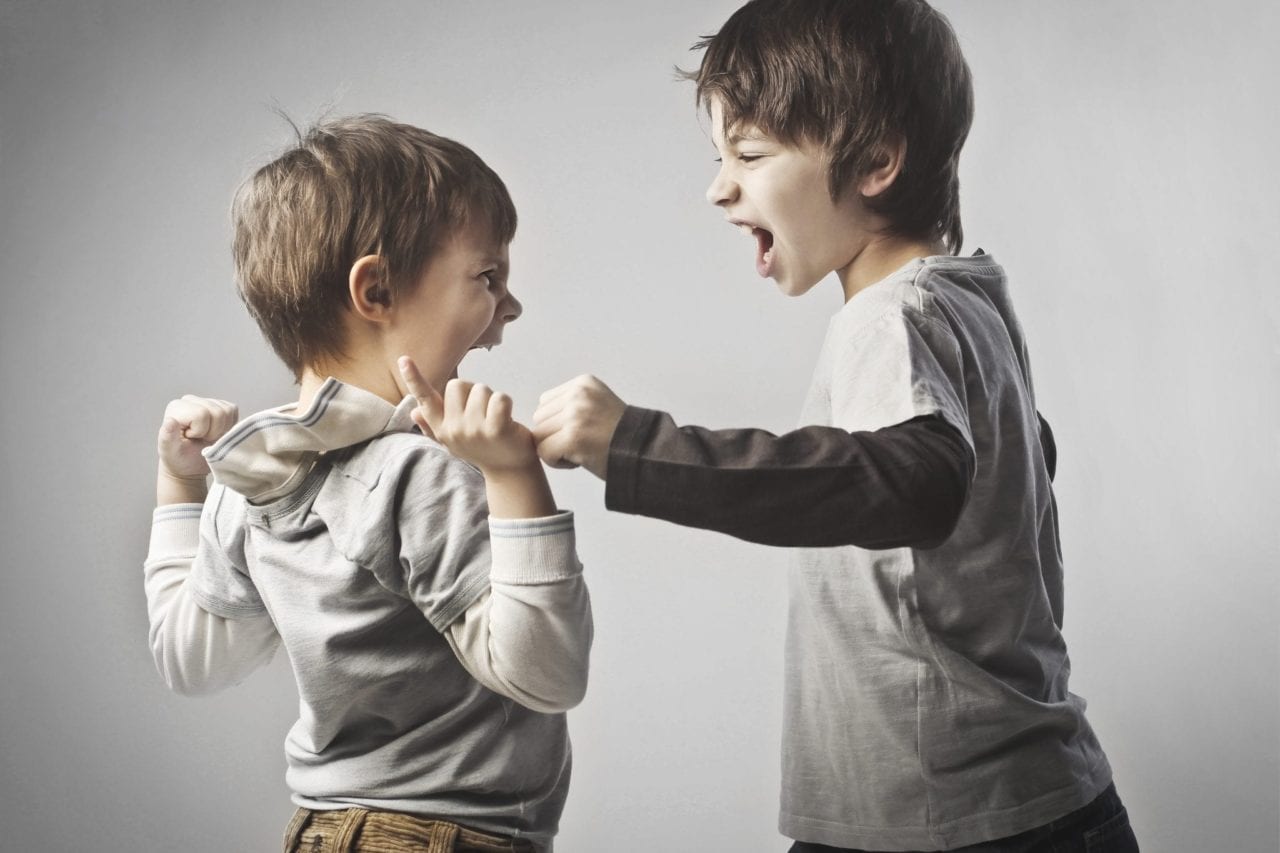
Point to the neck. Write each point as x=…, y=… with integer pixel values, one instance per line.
x=372, y=377
x=881, y=256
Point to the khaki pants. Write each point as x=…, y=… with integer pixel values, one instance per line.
x=362, y=831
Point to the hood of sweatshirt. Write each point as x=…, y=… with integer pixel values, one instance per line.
x=268, y=454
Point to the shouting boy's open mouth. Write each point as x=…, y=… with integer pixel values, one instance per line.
x=764, y=251
x=764, y=245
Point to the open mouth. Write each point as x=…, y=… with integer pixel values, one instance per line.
x=764, y=251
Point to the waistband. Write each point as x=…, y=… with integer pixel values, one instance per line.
x=357, y=830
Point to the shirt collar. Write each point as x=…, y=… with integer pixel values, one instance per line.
x=268, y=454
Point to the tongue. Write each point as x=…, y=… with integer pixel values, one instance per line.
x=764, y=251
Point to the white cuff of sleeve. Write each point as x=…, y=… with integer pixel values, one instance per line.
x=175, y=530
x=530, y=551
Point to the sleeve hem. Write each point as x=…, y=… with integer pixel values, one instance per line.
x=445, y=616
x=225, y=609
x=533, y=551
x=175, y=531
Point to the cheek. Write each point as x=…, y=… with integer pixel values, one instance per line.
x=800, y=209
x=485, y=311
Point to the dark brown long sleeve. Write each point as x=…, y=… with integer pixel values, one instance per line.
x=903, y=485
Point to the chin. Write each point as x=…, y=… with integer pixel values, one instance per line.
x=794, y=289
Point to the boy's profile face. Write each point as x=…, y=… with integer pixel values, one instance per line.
x=778, y=193
x=460, y=302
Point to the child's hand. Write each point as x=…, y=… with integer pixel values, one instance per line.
x=190, y=425
x=574, y=424
x=472, y=421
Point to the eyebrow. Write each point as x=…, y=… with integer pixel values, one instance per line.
x=736, y=137
x=487, y=260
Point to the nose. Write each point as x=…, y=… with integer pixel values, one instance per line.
x=722, y=190
x=510, y=309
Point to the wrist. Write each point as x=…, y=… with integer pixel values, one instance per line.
x=513, y=472
x=519, y=491
x=174, y=488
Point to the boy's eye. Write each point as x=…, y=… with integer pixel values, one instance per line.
x=749, y=158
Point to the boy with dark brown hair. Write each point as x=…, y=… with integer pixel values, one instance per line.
x=926, y=702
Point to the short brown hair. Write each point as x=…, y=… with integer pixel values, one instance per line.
x=853, y=76
x=350, y=187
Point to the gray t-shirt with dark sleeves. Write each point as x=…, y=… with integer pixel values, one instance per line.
x=926, y=690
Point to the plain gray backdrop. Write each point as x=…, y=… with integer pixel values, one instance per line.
x=1121, y=166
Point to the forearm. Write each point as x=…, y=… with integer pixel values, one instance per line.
x=818, y=486
x=530, y=637
x=519, y=492
x=196, y=652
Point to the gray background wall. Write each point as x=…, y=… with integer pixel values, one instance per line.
x=1121, y=166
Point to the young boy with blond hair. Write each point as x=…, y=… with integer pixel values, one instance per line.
x=425, y=587
x=926, y=703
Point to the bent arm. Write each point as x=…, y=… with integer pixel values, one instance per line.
x=904, y=485
x=529, y=638
x=196, y=652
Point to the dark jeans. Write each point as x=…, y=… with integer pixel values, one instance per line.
x=1100, y=827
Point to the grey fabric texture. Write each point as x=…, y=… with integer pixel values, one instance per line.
x=926, y=700
x=380, y=542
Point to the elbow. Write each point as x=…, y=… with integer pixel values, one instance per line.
x=556, y=689
x=933, y=539
x=193, y=684
x=928, y=524
x=573, y=694
x=184, y=687
x=566, y=697
x=944, y=502
x=945, y=516
x=183, y=683
x=942, y=522
x=179, y=678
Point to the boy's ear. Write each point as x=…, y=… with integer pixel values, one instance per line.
x=893, y=153
x=369, y=289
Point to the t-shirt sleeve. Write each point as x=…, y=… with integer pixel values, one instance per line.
x=900, y=366
x=219, y=579
x=441, y=553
